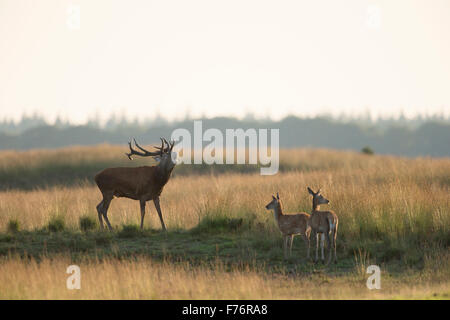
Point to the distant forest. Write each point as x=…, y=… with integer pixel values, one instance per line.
x=421, y=136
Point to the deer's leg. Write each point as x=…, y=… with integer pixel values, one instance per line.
x=285, y=241
x=306, y=240
x=105, y=207
x=142, y=204
x=308, y=235
x=317, y=235
x=99, y=211
x=334, y=244
x=291, y=241
x=330, y=248
x=322, y=242
x=158, y=208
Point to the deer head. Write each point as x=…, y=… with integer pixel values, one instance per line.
x=275, y=203
x=164, y=156
x=318, y=199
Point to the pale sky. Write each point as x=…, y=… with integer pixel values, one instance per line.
x=223, y=57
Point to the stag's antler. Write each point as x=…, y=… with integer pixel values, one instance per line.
x=145, y=153
x=168, y=148
x=169, y=145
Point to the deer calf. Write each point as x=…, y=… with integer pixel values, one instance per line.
x=290, y=225
x=323, y=223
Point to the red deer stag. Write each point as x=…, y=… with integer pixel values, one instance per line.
x=323, y=222
x=141, y=183
x=290, y=225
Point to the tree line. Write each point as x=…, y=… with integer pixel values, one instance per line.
x=413, y=137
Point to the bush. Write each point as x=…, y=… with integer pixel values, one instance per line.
x=56, y=224
x=87, y=223
x=217, y=224
x=129, y=231
x=13, y=226
x=367, y=150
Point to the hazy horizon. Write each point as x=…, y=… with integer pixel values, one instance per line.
x=210, y=58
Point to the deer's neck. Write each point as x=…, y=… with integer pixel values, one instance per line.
x=163, y=170
x=162, y=175
x=278, y=212
x=315, y=207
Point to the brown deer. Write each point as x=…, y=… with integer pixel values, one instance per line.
x=323, y=223
x=141, y=183
x=290, y=225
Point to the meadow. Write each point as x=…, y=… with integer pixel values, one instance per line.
x=221, y=242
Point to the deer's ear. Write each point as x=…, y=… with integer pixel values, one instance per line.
x=310, y=191
x=274, y=197
x=278, y=196
x=157, y=158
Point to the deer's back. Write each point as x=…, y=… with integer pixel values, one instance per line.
x=293, y=223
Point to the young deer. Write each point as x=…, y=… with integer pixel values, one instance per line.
x=290, y=224
x=323, y=222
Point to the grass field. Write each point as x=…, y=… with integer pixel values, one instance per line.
x=221, y=242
